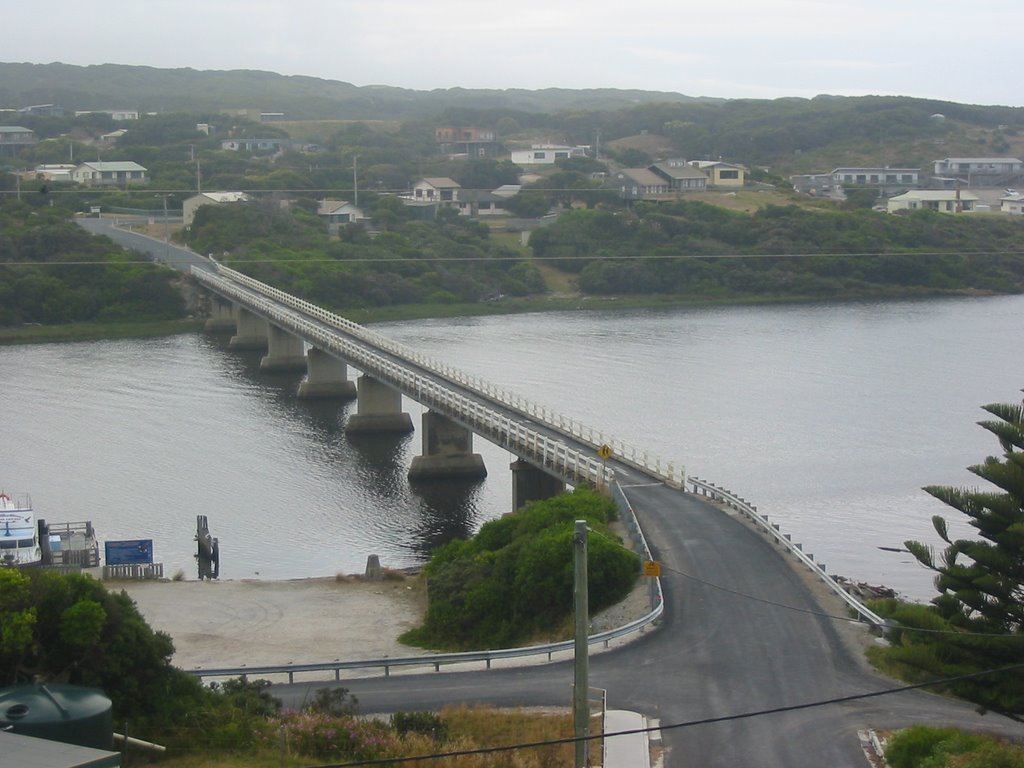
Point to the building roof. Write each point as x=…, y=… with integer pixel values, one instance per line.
x=990, y=160
x=714, y=163
x=878, y=169
x=481, y=196
x=114, y=165
x=934, y=194
x=441, y=182
x=643, y=176
x=676, y=171
x=327, y=207
x=14, y=129
x=508, y=190
x=224, y=197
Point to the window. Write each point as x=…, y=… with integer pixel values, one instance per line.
x=908, y=178
x=561, y=155
x=729, y=175
x=539, y=155
x=890, y=178
x=862, y=178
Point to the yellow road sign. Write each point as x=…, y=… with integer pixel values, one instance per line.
x=652, y=568
x=605, y=451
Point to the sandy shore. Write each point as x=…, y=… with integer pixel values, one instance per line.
x=229, y=623
x=252, y=622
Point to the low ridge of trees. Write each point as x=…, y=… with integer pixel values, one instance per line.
x=52, y=271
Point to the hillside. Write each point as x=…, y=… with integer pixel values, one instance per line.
x=147, y=89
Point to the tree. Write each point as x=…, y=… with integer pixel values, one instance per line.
x=980, y=608
x=981, y=581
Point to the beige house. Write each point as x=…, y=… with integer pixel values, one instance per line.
x=189, y=206
x=1012, y=203
x=722, y=174
x=436, y=189
x=109, y=173
x=546, y=154
x=944, y=200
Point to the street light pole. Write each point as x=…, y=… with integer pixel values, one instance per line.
x=581, y=685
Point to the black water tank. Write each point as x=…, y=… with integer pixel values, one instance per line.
x=68, y=713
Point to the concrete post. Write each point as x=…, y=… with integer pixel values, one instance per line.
x=378, y=409
x=222, y=316
x=327, y=377
x=251, y=331
x=532, y=484
x=447, y=451
x=285, y=351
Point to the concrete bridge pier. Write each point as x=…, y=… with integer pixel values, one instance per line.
x=327, y=377
x=532, y=484
x=222, y=316
x=285, y=351
x=378, y=409
x=447, y=451
x=251, y=331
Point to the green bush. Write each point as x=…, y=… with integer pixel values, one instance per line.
x=514, y=579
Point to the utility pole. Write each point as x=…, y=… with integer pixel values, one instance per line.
x=581, y=685
x=355, y=181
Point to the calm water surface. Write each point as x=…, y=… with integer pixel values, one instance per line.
x=829, y=418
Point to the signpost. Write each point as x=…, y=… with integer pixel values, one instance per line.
x=128, y=552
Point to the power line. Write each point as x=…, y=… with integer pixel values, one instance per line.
x=684, y=724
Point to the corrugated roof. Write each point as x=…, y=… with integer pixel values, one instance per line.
x=114, y=165
x=644, y=176
x=442, y=182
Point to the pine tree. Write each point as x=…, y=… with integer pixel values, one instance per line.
x=981, y=580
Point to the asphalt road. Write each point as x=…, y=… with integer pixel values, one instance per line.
x=725, y=648
x=717, y=654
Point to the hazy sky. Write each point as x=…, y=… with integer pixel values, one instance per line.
x=945, y=49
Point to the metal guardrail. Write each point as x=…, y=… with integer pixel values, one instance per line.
x=436, y=660
x=729, y=498
x=536, y=448
x=669, y=472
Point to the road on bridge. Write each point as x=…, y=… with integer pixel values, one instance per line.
x=743, y=630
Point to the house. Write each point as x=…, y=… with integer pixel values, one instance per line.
x=987, y=171
x=481, y=202
x=944, y=200
x=14, y=138
x=546, y=154
x=876, y=177
x=680, y=175
x=113, y=136
x=254, y=145
x=189, y=205
x=815, y=184
x=435, y=189
x=43, y=110
x=1012, y=202
x=118, y=115
x=722, y=174
x=109, y=173
x=469, y=141
x=53, y=172
x=338, y=213
x=642, y=184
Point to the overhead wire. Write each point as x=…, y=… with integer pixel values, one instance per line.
x=684, y=724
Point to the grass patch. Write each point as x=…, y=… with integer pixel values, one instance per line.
x=39, y=334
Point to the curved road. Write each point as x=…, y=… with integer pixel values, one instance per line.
x=716, y=654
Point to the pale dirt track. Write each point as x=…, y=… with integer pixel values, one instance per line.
x=252, y=622
x=229, y=623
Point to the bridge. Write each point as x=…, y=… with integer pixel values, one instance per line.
x=753, y=664
x=552, y=449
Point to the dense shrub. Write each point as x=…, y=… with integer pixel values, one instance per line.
x=514, y=579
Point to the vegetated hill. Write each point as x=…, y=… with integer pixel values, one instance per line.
x=148, y=89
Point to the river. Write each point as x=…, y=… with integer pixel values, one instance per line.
x=829, y=417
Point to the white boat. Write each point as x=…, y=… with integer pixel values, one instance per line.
x=19, y=534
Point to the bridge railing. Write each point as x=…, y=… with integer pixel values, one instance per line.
x=674, y=475
x=537, y=448
x=749, y=511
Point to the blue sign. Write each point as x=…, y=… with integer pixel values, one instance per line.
x=130, y=552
